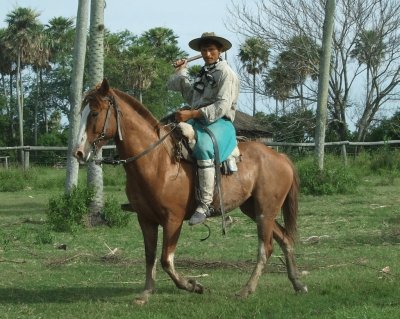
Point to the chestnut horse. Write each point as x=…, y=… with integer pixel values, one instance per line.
x=162, y=191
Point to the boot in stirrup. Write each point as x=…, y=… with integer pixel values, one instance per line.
x=205, y=194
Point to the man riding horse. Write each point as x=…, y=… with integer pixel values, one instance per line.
x=212, y=99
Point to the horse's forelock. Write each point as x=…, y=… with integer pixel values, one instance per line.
x=90, y=97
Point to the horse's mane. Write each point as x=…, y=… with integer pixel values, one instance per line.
x=170, y=144
x=139, y=108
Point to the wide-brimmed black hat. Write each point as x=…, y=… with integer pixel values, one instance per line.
x=195, y=43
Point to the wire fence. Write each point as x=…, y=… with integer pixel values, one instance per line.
x=56, y=156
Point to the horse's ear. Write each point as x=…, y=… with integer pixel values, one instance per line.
x=104, y=87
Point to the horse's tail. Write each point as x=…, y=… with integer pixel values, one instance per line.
x=290, y=206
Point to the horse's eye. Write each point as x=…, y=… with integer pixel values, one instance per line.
x=94, y=114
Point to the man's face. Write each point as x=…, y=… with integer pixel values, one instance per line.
x=210, y=53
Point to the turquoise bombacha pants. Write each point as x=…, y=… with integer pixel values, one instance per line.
x=224, y=133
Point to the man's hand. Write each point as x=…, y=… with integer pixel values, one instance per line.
x=184, y=115
x=180, y=64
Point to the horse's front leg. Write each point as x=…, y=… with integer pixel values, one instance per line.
x=170, y=238
x=150, y=236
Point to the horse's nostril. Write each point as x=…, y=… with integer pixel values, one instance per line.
x=79, y=154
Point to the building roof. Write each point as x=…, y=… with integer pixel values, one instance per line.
x=248, y=126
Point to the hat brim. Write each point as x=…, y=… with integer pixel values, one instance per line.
x=195, y=43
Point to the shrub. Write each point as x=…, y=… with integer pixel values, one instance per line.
x=385, y=160
x=66, y=212
x=113, y=215
x=335, y=178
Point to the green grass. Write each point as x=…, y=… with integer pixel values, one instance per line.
x=345, y=241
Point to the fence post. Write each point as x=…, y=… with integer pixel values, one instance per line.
x=26, y=158
x=344, y=154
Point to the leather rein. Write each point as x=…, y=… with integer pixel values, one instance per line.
x=113, y=104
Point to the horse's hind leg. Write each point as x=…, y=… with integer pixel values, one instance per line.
x=265, y=230
x=170, y=238
x=287, y=248
x=150, y=235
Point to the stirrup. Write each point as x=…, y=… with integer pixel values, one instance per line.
x=198, y=218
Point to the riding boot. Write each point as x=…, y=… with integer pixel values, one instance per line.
x=205, y=192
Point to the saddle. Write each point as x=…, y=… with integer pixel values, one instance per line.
x=184, y=139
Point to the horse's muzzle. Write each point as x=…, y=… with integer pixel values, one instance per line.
x=81, y=155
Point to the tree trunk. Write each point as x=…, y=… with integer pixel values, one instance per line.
x=323, y=84
x=6, y=97
x=76, y=92
x=36, y=110
x=96, y=66
x=13, y=133
x=254, y=94
x=20, y=108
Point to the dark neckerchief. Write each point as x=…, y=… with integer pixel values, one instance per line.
x=205, y=71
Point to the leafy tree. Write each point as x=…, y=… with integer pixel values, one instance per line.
x=386, y=129
x=296, y=126
x=117, y=57
x=142, y=65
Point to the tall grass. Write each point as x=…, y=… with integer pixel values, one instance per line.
x=39, y=178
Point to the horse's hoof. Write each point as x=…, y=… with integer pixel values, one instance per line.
x=242, y=294
x=142, y=299
x=302, y=290
x=196, y=287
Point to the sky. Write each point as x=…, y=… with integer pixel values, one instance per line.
x=188, y=19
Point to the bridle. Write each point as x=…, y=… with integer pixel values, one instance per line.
x=102, y=135
x=111, y=104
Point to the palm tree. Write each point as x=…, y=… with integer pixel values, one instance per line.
x=301, y=60
x=163, y=42
x=254, y=55
x=59, y=42
x=6, y=69
x=40, y=63
x=96, y=70
x=278, y=84
x=370, y=50
x=140, y=70
x=60, y=34
x=23, y=36
x=76, y=91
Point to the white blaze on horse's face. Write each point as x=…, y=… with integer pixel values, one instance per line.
x=83, y=147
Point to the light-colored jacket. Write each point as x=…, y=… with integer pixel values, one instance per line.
x=218, y=100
